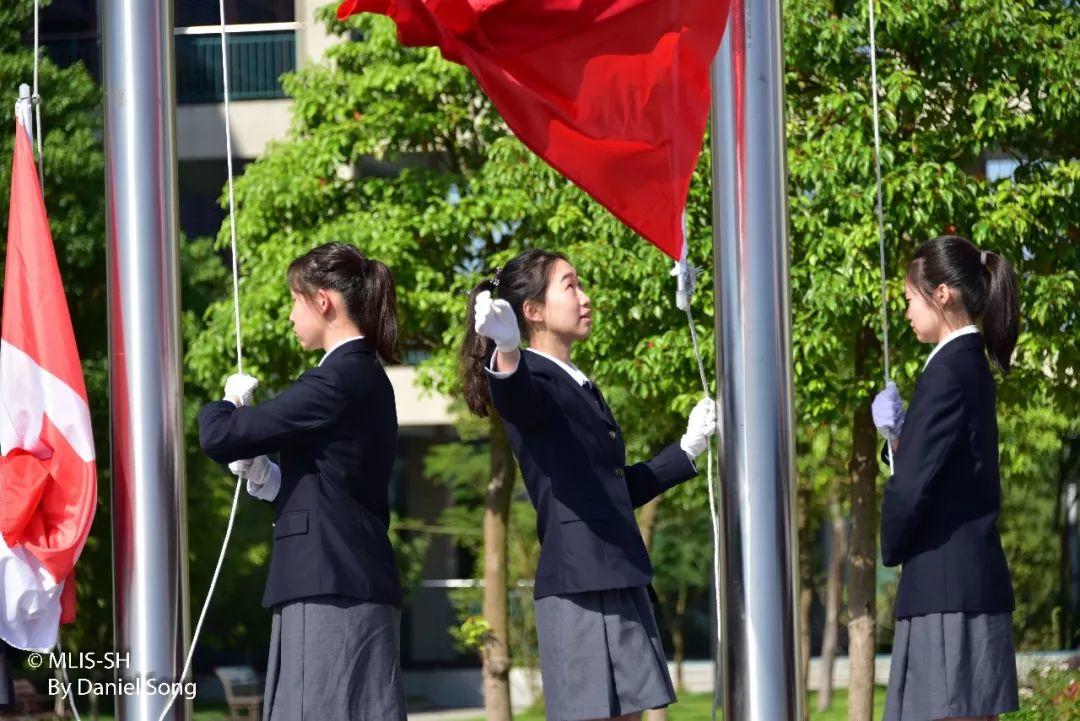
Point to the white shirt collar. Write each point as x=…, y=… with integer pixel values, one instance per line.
x=966, y=330
x=338, y=345
x=570, y=368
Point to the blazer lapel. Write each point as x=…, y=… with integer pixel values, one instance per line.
x=599, y=407
x=583, y=394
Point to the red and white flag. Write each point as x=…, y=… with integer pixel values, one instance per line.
x=48, y=480
x=614, y=94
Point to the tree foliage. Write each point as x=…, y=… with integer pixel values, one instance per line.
x=397, y=151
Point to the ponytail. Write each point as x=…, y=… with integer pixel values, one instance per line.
x=1001, y=317
x=475, y=352
x=986, y=284
x=365, y=284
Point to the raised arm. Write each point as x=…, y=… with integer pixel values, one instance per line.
x=524, y=399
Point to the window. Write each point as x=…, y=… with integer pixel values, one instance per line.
x=256, y=63
x=237, y=12
x=69, y=34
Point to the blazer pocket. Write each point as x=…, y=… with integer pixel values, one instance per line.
x=291, y=524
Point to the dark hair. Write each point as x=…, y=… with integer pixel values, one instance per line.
x=986, y=284
x=366, y=285
x=524, y=278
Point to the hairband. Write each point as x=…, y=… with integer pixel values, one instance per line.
x=495, y=278
x=982, y=257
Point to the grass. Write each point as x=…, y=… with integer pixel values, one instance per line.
x=691, y=707
x=698, y=707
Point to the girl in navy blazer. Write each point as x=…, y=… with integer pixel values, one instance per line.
x=600, y=651
x=953, y=654
x=333, y=583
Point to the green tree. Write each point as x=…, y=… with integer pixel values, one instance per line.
x=396, y=150
x=960, y=82
x=464, y=466
x=231, y=620
x=383, y=140
x=681, y=553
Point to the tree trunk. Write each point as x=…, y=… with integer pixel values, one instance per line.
x=806, y=597
x=59, y=702
x=647, y=518
x=806, y=600
x=1061, y=515
x=833, y=590
x=496, y=649
x=862, y=578
x=678, y=638
x=1066, y=490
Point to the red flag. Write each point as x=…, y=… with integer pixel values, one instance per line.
x=48, y=480
x=614, y=94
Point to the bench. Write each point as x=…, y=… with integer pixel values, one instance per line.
x=29, y=704
x=243, y=691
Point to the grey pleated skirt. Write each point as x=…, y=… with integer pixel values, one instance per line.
x=600, y=655
x=947, y=665
x=334, y=659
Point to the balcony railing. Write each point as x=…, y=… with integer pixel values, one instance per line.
x=257, y=60
x=66, y=50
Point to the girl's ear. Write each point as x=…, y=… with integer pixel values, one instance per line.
x=322, y=301
x=943, y=294
x=533, y=311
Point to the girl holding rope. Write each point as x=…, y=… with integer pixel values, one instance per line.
x=600, y=650
x=953, y=655
x=333, y=582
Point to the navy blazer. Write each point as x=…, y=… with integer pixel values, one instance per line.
x=940, y=508
x=335, y=430
x=573, y=461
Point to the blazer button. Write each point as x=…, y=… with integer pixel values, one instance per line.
x=612, y=434
x=619, y=473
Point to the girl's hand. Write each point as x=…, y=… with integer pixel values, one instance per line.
x=240, y=388
x=257, y=470
x=699, y=428
x=263, y=476
x=495, y=319
x=888, y=412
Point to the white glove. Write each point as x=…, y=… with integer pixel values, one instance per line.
x=262, y=469
x=240, y=388
x=263, y=476
x=495, y=319
x=700, y=428
x=888, y=411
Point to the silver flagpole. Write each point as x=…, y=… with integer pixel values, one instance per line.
x=753, y=337
x=148, y=497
